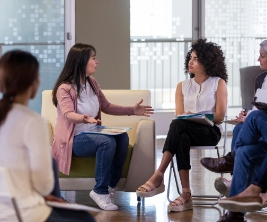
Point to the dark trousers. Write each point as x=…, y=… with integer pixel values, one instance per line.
x=260, y=178
x=56, y=191
x=183, y=134
x=236, y=131
x=66, y=215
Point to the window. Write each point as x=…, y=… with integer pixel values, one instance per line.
x=239, y=27
x=161, y=34
x=37, y=27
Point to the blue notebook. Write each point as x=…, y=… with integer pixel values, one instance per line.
x=202, y=118
x=107, y=130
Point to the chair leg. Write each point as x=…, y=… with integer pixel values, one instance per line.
x=16, y=210
x=214, y=198
x=218, y=152
x=169, y=183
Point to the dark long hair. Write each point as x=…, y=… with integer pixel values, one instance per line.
x=18, y=71
x=75, y=68
x=210, y=55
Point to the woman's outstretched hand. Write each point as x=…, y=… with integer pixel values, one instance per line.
x=142, y=110
x=90, y=119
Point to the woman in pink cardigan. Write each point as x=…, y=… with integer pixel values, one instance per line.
x=80, y=101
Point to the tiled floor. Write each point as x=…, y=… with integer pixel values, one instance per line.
x=154, y=209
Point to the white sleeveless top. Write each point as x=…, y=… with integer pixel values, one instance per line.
x=196, y=100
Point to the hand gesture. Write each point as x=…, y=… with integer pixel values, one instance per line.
x=241, y=117
x=188, y=112
x=90, y=119
x=142, y=110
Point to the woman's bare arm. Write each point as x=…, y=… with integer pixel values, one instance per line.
x=221, y=102
x=179, y=100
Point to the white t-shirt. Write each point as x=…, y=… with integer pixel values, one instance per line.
x=25, y=152
x=87, y=104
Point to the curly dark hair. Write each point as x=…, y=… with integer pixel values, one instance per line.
x=210, y=55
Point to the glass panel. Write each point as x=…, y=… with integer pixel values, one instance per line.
x=161, y=32
x=37, y=27
x=161, y=19
x=31, y=21
x=238, y=26
x=158, y=67
x=51, y=59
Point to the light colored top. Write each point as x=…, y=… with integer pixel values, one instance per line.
x=26, y=154
x=200, y=98
x=64, y=129
x=264, y=84
x=87, y=104
x=264, y=87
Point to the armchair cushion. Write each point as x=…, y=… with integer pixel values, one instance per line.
x=85, y=167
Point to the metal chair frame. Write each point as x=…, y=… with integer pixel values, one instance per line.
x=7, y=190
x=205, y=198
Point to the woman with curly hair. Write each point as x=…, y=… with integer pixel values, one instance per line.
x=204, y=91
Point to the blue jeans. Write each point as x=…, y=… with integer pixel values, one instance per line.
x=251, y=150
x=110, y=153
x=64, y=215
x=236, y=131
x=260, y=178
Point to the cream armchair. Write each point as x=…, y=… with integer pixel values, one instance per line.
x=141, y=160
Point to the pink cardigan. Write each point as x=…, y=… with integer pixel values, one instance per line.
x=64, y=129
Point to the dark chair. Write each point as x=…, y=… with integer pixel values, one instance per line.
x=247, y=78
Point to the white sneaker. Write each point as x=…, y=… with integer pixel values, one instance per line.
x=103, y=201
x=112, y=193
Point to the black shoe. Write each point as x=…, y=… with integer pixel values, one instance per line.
x=233, y=217
x=224, y=164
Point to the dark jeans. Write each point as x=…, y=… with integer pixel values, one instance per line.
x=64, y=215
x=261, y=177
x=236, y=131
x=56, y=190
x=183, y=134
x=110, y=153
x=251, y=152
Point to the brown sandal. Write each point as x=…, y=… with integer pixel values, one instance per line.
x=182, y=205
x=151, y=189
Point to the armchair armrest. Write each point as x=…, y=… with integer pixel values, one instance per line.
x=51, y=133
x=143, y=160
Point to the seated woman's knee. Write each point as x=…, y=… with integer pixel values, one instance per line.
x=237, y=128
x=109, y=142
x=124, y=138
